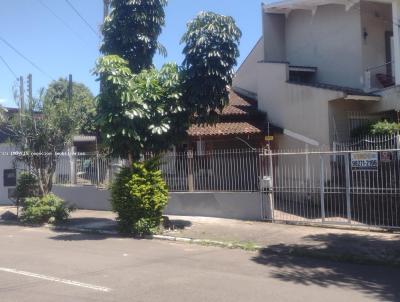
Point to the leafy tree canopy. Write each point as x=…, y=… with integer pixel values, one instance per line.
x=48, y=128
x=139, y=112
x=211, y=51
x=132, y=29
x=82, y=106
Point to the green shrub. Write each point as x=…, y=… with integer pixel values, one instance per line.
x=47, y=209
x=385, y=128
x=139, y=196
x=27, y=186
x=377, y=128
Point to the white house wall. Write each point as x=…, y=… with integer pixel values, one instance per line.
x=376, y=19
x=390, y=100
x=330, y=40
x=246, y=76
x=274, y=27
x=300, y=109
x=6, y=162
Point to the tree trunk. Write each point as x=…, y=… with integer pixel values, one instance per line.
x=130, y=159
x=41, y=183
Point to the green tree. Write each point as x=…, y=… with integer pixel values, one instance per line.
x=132, y=29
x=46, y=130
x=82, y=105
x=139, y=112
x=211, y=51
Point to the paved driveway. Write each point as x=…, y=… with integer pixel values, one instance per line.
x=37, y=264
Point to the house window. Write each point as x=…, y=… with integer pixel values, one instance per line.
x=9, y=178
x=302, y=74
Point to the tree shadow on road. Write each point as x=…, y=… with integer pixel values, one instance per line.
x=87, y=221
x=81, y=237
x=380, y=282
x=175, y=224
x=73, y=227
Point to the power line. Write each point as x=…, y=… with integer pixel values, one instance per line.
x=60, y=19
x=25, y=58
x=8, y=67
x=82, y=18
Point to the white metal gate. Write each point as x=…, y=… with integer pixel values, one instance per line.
x=348, y=187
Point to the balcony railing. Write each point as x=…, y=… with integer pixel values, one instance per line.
x=380, y=77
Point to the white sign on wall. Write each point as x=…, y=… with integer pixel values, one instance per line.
x=364, y=161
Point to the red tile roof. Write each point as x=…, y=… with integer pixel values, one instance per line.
x=238, y=105
x=238, y=117
x=221, y=129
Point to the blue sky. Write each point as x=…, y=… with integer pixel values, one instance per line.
x=69, y=46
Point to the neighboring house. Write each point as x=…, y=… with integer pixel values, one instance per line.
x=324, y=68
x=82, y=168
x=240, y=125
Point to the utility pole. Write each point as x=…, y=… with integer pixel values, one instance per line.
x=21, y=95
x=30, y=96
x=106, y=4
x=69, y=90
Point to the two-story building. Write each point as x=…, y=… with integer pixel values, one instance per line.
x=324, y=68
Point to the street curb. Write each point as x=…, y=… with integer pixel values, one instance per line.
x=230, y=245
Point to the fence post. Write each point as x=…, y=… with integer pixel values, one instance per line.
x=398, y=145
x=97, y=168
x=272, y=184
x=348, y=184
x=72, y=161
x=190, y=170
x=109, y=170
x=322, y=188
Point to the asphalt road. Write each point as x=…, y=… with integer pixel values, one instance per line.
x=37, y=264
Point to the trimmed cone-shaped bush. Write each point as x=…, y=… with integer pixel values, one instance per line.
x=139, y=196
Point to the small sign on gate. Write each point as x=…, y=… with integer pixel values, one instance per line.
x=365, y=161
x=386, y=156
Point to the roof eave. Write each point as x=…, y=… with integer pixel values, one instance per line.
x=284, y=7
x=370, y=98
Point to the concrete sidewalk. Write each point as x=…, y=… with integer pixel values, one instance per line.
x=336, y=244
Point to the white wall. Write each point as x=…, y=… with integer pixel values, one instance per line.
x=390, y=100
x=301, y=109
x=376, y=19
x=330, y=40
x=246, y=75
x=6, y=162
x=235, y=205
x=85, y=197
x=274, y=33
